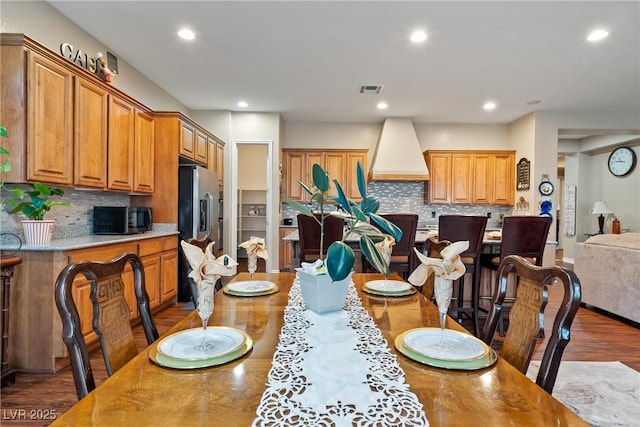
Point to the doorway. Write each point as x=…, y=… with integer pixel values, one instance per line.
x=251, y=203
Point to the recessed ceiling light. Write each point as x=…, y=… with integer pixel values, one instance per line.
x=382, y=106
x=489, y=105
x=597, y=35
x=242, y=104
x=186, y=34
x=418, y=36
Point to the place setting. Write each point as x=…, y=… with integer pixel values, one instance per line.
x=441, y=347
x=255, y=248
x=388, y=288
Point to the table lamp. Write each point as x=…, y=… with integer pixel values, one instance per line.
x=600, y=208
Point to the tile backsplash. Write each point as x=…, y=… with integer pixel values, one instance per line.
x=408, y=196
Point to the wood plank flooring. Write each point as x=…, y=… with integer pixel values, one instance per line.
x=594, y=337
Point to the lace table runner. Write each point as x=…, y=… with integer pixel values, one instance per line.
x=335, y=369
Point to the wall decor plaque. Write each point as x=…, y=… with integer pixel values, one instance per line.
x=524, y=174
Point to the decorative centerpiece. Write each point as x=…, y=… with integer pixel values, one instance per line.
x=325, y=283
x=37, y=230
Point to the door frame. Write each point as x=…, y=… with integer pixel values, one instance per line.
x=233, y=221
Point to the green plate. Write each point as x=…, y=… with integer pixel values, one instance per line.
x=249, y=294
x=168, y=362
x=410, y=291
x=462, y=365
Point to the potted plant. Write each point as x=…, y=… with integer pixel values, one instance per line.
x=37, y=230
x=5, y=165
x=336, y=268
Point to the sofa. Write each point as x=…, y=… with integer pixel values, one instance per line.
x=608, y=266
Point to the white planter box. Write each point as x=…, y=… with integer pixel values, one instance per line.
x=321, y=294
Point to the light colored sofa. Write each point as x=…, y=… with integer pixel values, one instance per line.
x=608, y=266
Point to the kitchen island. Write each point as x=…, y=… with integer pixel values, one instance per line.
x=36, y=329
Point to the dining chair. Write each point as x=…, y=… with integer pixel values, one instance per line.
x=110, y=315
x=527, y=315
x=402, y=255
x=525, y=236
x=455, y=228
x=309, y=235
x=432, y=248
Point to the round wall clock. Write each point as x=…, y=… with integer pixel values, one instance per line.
x=545, y=188
x=622, y=160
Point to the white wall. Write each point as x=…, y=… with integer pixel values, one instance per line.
x=252, y=167
x=458, y=136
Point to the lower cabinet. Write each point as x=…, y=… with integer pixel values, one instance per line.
x=285, y=249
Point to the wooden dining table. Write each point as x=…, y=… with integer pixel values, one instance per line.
x=143, y=393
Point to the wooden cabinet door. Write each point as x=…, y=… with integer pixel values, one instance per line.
x=336, y=168
x=202, y=148
x=121, y=144
x=152, y=278
x=311, y=159
x=90, y=132
x=81, y=294
x=461, y=170
x=187, y=141
x=212, y=164
x=50, y=109
x=439, y=177
x=220, y=163
x=351, y=181
x=169, y=274
x=294, y=171
x=144, y=178
x=285, y=250
x=504, y=179
x=483, y=164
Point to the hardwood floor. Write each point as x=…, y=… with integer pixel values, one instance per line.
x=594, y=337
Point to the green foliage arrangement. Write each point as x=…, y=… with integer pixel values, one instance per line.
x=358, y=216
x=37, y=203
x=5, y=165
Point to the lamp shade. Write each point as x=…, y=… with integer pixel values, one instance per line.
x=600, y=207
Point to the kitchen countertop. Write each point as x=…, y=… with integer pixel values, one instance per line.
x=95, y=240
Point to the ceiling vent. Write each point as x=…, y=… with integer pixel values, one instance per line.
x=371, y=89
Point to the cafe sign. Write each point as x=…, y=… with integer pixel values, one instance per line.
x=94, y=64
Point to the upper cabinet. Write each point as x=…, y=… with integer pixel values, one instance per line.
x=339, y=164
x=477, y=177
x=68, y=127
x=50, y=124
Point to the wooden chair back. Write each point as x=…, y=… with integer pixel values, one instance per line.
x=309, y=234
x=110, y=315
x=403, y=259
x=525, y=236
x=455, y=228
x=526, y=319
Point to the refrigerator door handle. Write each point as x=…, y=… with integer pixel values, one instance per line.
x=207, y=214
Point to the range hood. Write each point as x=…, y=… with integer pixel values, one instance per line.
x=398, y=156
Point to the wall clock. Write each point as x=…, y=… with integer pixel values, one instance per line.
x=545, y=188
x=622, y=160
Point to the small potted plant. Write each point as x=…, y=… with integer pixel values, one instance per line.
x=336, y=268
x=37, y=230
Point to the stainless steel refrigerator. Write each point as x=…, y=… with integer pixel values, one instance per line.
x=197, y=213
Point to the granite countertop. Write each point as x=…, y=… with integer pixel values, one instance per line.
x=95, y=240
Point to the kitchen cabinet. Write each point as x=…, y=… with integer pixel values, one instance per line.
x=41, y=348
x=212, y=162
x=187, y=140
x=220, y=162
x=339, y=164
x=90, y=134
x=285, y=249
x=202, y=148
x=121, y=144
x=50, y=107
x=478, y=177
x=144, y=153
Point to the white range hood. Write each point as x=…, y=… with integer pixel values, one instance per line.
x=398, y=156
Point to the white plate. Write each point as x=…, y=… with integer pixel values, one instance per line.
x=251, y=286
x=181, y=345
x=388, y=286
x=463, y=346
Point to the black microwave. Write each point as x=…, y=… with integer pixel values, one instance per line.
x=121, y=220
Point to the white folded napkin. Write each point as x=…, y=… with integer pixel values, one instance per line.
x=449, y=267
x=385, y=247
x=255, y=245
x=205, y=265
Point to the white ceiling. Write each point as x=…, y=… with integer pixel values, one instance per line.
x=307, y=59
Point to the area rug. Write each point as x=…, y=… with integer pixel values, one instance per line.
x=605, y=394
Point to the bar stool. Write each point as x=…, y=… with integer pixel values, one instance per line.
x=524, y=236
x=309, y=232
x=402, y=256
x=455, y=228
